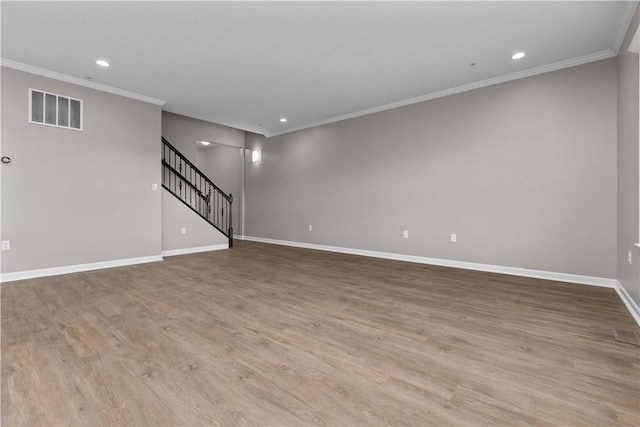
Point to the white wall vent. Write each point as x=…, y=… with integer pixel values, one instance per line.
x=56, y=110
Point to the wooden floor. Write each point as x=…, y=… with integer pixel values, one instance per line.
x=271, y=335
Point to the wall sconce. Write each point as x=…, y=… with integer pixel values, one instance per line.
x=256, y=156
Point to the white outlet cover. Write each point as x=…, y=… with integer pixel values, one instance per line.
x=154, y=186
x=405, y=234
x=310, y=227
x=183, y=230
x=6, y=245
x=454, y=238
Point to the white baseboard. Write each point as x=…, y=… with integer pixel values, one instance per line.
x=55, y=271
x=186, y=251
x=514, y=271
x=628, y=302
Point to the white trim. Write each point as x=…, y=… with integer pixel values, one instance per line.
x=243, y=212
x=634, y=45
x=77, y=81
x=44, y=109
x=605, y=54
x=55, y=271
x=514, y=271
x=631, y=305
x=628, y=17
x=174, y=252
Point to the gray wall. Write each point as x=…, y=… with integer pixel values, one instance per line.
x=199, y=232
x=628, y=137
x=523, y=172
x=183, y=131
x=73, y=197
x=221, y=163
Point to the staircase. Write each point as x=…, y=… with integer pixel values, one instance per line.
x=181, y=178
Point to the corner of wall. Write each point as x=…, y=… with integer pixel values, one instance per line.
x=628, y=176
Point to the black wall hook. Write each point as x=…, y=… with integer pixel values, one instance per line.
x=5, y=159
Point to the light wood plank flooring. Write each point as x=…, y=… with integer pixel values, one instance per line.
x=271, y=335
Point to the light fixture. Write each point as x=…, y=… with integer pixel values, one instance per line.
x=256, y=156
x=283, y=120
x=102, y=63
x=205, y=143
x=518, y=55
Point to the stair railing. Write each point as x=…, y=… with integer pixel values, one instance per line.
x=192, y=187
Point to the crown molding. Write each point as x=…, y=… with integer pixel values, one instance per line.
x=628, y=17
x=77, y=81
x=605, y=54
x=634, y=45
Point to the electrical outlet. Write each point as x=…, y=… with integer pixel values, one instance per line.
x=6, y=245
x=310, y=227
x=630, y=257
x=454, y=238
x=154, y=186
x=183, y=230
x=405, y=234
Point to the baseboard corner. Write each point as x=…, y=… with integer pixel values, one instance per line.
x=631, y=305
x=197, y=249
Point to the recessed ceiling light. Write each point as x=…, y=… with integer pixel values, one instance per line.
x=518, y=55
x=102, y=63
x=283, y=120
x=205, y=143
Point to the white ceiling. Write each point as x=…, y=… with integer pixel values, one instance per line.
x=246, y=64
